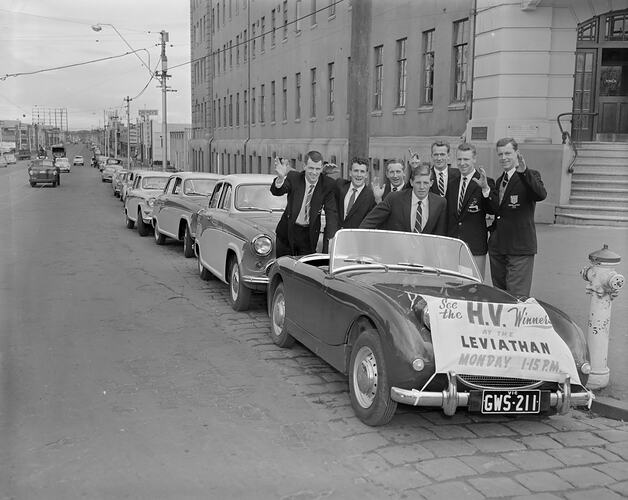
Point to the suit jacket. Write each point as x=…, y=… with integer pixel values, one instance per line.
x=469, y=225
x=393, y=214
x=322, y=197
x=452, y=175
x=388, y=188
x=363, y=204
x=513, y=232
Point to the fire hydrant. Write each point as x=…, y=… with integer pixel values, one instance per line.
x=603, y=284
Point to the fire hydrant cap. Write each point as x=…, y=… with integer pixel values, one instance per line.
x=605, y=256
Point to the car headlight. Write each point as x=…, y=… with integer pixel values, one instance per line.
x=422, y=313
x=585, y=368
x=151, y=202
x=262, y=245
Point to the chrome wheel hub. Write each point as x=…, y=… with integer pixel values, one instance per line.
x=279, y=314
x=365, y=377
x=235, y=281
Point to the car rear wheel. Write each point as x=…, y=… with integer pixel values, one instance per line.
x=142, y=227
x=277, y=315
x=369, y=387
x=188, y=243
x=239, y=294
x=54, y=184
x=32, y=184
x=202, y=272
x=160, y=238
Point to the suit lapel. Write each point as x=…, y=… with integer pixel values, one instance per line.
x=471, y=186
x=406, y=208
x=299, y=193
x=511, y=184
x=359, y=197
x=432, y=200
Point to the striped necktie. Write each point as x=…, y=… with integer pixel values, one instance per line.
x=462, y=192
x=502, y=187
x=418, y=222
x=351, y=200
x=441, y=184
x=308, y=200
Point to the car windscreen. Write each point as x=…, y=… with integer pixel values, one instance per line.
x=252, y=197
x=154, y=182
x=352, y=247
x=202, y=187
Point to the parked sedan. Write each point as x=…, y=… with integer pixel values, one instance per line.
x=139, y=201
x=43, y=171
x=63, y=164
x=78, y=160
x=235, y=235
x=117, y=179
x=127, y=183
x=184, y=195
x=3, y=162
x=408, y=320
x=10, y=158
x=106, y=174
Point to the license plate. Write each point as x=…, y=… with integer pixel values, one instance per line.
x=511, y=402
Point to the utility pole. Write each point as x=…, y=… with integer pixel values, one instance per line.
x=128, y=132
x=164, y=88
x=115, y=135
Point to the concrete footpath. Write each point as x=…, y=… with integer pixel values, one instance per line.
x=562, y=252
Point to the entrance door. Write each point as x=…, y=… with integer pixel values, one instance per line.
x=584, y=95
x=613, y=100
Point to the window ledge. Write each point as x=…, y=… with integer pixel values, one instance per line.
x=330, y=118
x=455, y=106
x=273, y=122
x=332, y=17
x=314, y=26
x=399, y=111
x=377, y=113
x=297, y=120
x=296, y=33
x=284, y=122
x=312, y=119
x=425, y=109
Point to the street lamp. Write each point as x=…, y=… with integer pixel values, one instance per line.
x=98, y=27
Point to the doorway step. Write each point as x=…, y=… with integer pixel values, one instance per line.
x=599, y=186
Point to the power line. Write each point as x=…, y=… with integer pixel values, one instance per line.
x=2, y=78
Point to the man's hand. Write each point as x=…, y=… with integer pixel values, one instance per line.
x=378, y=190
x=482, y=181
x=414, y=159
x=521, y=163
x=282, y=167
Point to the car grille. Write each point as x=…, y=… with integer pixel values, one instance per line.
x=485, y=382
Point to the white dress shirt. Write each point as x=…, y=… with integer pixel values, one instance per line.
x=301, y=218
x=349, y=193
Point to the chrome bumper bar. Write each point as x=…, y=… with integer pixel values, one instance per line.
x=450, y=399
x=255, y=280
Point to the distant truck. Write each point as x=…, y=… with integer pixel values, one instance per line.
x=58, y=151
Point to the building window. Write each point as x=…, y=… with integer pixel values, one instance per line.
x=332, y=8
x=253, y=39
x=297, y=10
x=262, y=34
x=297, y=98
x=245, y=106
x=313, y=16
x=272, y=101
x=217, y=16
x=214, y=113
x=224, y=57
x=273, y=21
x=284, y=98
x=285, y=19
x=330, y=89
x=230, y=9
x=262, y=103
x=461, y=44
x=237, y=49
x=224, y=111
x=313, y=93
x=219, y=115
x=379, y=78
x=427, y=98
x=237, y=109
x=253, y=103
x=231, y=110
x=402, y=72
x=224, y=13
x=231, y=54
x=617, y=27
x=588, y=31
x=245, y=49
x=213, y=21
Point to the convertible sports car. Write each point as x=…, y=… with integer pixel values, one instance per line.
x=407, y=318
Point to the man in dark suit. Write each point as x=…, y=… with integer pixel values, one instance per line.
x=411, y=210
x=395, y=180
x=512, y=243
x=466, y=214
x=444, y=175
x=354, y=197
x=308, y=193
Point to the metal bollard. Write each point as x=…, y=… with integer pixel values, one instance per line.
x=603, y=284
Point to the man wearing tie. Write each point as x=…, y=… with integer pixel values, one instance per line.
x=395, y=180
x=444, y=175
x=466, y=215
x=411, y=210
x=308, y=193
x=512, y=243
x=354, y=197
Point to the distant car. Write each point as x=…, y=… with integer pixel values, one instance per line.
x=127, y=183
x=235, y=234
x=139, y=200
x=24, y=154
x=106, y=174
x=78, y=160
x=63, y=164
x=10, y=158
x=408, y=319
x=184, y=195
x=3, y=162
x=44, y=172
x=117, y=179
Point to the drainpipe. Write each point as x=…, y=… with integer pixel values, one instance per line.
x=248, y=86
x=471, y=67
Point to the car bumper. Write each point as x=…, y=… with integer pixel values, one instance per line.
x=450, y=399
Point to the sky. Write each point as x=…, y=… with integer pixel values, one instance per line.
x=37, y=35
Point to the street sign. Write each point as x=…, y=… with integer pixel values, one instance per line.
x=147, y=112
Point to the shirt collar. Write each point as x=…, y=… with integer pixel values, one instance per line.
x=415, y=199
x=359, y=189
x=468, y=176
x=510, y=173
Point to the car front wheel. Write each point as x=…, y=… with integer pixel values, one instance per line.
x=160, y=238
x=129, y=223
x=277, y=315
x=142, y=227
x=239, y=294
x=369, y=387
x=202, y=271
x=188, y=243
